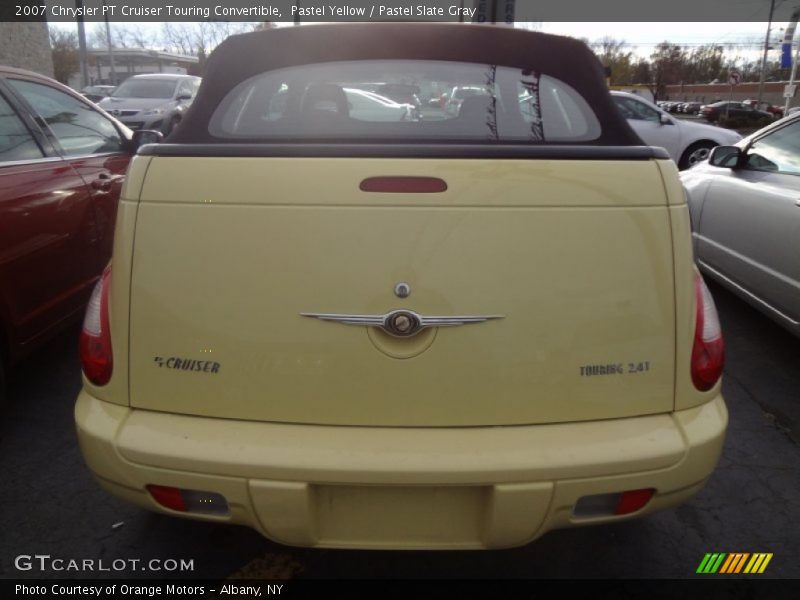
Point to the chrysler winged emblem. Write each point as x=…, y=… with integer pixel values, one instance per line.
x=403, y=323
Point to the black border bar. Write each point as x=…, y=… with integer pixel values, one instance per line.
x=480, y=11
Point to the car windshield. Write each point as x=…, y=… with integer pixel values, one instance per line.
x=146, y=88
x=336, y=101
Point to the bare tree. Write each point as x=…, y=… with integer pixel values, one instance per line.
x=613, y=54
x=64, y=48
x=122, y=36
x=668, y=66
x=133, y=37
x=203, y=37
x=177, y=37
x=704, y=64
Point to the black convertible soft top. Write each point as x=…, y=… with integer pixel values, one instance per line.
x=243, y=56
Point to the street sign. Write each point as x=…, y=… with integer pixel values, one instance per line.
x=734, y=77
x=789, y=90
x=786, y=56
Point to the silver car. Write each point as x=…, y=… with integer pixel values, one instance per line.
x=745, y=210
x=687, y=142
x=156, y=101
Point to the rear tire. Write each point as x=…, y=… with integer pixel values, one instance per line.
x=697, y=152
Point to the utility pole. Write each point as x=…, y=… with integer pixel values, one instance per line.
x=82, y=45
x=791, y=79
x=789, y=39
x=113, y=74
x=764, y=58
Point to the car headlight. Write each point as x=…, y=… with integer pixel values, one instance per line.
x=153, y=111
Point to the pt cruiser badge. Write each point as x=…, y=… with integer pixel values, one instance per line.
x=403, y=323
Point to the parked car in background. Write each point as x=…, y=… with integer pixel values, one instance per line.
x=687, y=142
x=732, y=110
x=692, y=108
x=354, y=103
x=62, y=165
x=95, y=93
x=156, y=101
x=459, y=93
x=793, y=110
x=369, y=106
x=775, y=111
x=402, y=93
x=459, y=332
x=745, y=207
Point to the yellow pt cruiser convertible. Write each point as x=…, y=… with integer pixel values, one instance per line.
x=351, y=317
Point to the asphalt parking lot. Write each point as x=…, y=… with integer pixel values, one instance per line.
x=50, y=505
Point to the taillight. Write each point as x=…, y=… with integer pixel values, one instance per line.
x=708, y=353
x=95, y=343
x=606, y=505
x=182, y=500
x=632, y=501
x=168, y=496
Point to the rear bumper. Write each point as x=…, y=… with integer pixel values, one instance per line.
x=400, y=487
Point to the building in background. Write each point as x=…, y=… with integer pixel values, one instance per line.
x=26, y=46
x=133, y=61
x=714, y=92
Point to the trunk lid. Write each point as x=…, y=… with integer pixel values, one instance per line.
x=576, y=255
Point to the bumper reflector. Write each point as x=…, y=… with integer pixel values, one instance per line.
x=193, y=501
x=606, y=505
x=630, y=502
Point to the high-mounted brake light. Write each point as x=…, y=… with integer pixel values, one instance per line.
x=708, y=353
x=407, y=185
x=95, y=343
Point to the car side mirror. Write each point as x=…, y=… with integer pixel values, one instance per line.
x=182, y=97
x=145, y=136
x=727, y=157
x=664, y=119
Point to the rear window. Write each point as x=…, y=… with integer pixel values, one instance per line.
x=357, y=101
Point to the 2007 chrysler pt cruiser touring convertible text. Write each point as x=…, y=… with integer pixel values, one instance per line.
x=384, y=328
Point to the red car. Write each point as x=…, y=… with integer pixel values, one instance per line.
x=734, y=110
x=775, y=111
x=62, y=165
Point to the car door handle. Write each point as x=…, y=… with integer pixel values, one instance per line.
x=104, y=181
x=797, y=202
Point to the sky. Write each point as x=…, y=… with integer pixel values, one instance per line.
x=642, y=37
x=648, y=35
